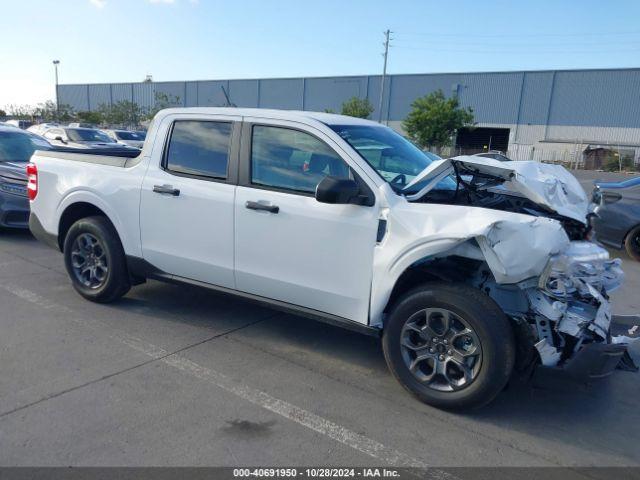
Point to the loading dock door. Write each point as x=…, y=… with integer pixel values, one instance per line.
x=481, y=139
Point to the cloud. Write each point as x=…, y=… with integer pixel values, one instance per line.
x=98, y=3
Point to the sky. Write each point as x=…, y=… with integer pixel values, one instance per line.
x=124, y=40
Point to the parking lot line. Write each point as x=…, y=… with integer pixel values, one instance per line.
x=305, y=418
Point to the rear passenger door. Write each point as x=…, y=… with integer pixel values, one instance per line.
x=187, y=201
x=290, y=247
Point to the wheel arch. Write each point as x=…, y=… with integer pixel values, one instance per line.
x=448, y=269
x=76, y=211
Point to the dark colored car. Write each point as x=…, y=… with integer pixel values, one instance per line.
x=16, y=148
x=617, y=215
x=79, y=137
x=494, y=155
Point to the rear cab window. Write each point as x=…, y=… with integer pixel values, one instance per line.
x=199, y=148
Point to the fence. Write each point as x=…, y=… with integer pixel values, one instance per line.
x=571, y=155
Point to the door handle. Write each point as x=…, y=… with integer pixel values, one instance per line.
x=166, y=190
x=261, y=206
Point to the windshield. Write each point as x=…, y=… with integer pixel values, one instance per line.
x=87, y=135
x=396, y=159
x=122, y=135
x=19, y=146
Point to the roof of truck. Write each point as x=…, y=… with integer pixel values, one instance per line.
x=326, y=118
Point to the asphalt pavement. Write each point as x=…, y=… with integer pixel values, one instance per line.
x=181, y=376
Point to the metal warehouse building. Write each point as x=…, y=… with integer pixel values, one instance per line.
x=545, y=115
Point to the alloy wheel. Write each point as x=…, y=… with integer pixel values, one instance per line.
x=441, y=349
x=89, y=261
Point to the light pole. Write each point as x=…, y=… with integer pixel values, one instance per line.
x=55, y=66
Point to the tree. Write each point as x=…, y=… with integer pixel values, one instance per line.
x=49, y=112
x=20, y=112
x=434, y=119
x=123, y=112
x=2, y=113
x=161, y=101
x=357, y=107
x=93, y=117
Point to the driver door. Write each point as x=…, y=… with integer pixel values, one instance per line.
x=290, y=247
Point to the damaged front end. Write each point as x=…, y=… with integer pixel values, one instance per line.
x=561, y=311
x=569, y=313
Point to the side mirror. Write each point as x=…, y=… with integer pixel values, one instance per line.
x=337, y=190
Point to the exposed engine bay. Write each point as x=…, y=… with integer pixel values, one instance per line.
x=561, y=317
x=492, y=195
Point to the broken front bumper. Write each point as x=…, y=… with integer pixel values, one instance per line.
x=593, y=361
x=598, y=360
x=576, y=331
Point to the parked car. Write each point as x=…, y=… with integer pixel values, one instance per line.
x=463, y=284
x=21, y=124
x=495, y=155
x=127, y=137
x=616, y=217
x=16, y=148
x=81, y=138
x=40, y=128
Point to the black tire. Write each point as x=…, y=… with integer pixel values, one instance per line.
x=632, y=243
x=115, y=282
x=490, y=327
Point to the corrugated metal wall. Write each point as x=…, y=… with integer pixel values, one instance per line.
x=587, y=98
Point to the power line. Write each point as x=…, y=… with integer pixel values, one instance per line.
x=501, y=42
x=520, y=35
x=522, y=51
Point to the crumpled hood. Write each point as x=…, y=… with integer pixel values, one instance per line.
x=548, y=185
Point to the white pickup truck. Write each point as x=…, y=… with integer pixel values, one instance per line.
x=468, y=268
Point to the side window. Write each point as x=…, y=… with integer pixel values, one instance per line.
x=293, y=160
x=199, y=148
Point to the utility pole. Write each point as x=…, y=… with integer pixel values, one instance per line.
x=384, y=73
x=55, y=66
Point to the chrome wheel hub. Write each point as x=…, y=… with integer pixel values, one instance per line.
x=440, y=349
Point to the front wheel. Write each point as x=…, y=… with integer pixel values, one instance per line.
x=95, y=260
x=450, y=345
x=632, y=243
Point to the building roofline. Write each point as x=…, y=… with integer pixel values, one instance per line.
x=490, y=72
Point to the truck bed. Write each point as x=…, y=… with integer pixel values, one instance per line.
x=114, y=157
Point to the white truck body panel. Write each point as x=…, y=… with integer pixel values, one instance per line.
x=191, y=235
x=114, y=190
x=319, y=256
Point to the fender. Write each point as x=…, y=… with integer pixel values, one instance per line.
x=131, y=245
x=421, y=231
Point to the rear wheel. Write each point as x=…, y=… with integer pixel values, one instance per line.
x=632, y=243
x=95, y=260
x=449, y=345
